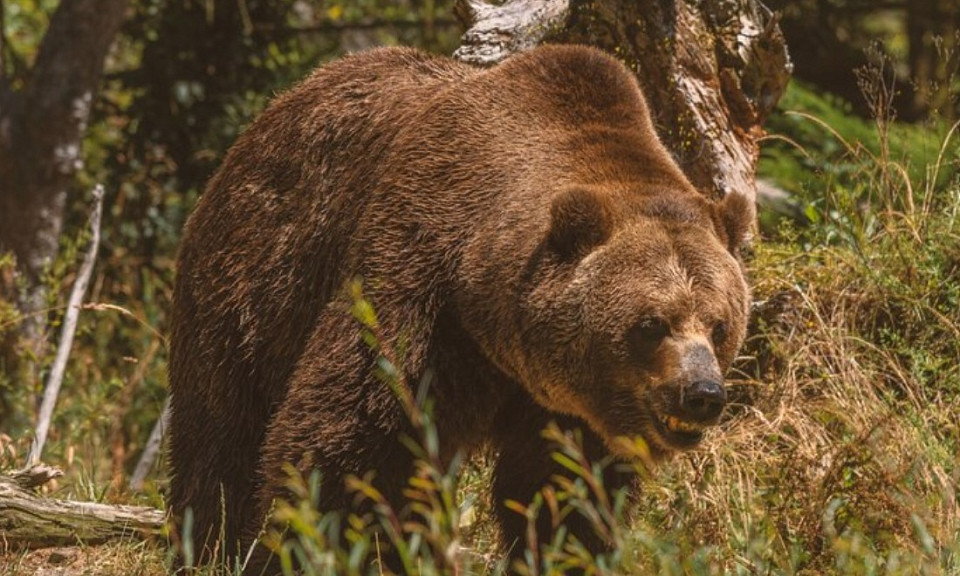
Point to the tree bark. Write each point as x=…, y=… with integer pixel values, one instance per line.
x=41, y=128
x=31, y=521
x=711, y=70
x=495, y=32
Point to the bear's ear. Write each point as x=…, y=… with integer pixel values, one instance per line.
x=580, y=220
x=735, y=215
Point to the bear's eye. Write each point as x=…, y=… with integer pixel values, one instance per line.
x=646, y=335
x=719, y=334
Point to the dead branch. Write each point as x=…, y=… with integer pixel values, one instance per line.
x=55, y=379
x=34, y=476
x=28, y=520
x=151, y=450
x=3, y=47
x=495, y=32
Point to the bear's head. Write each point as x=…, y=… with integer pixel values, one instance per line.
x=640, y=311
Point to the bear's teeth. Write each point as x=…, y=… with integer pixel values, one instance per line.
x=675, y=424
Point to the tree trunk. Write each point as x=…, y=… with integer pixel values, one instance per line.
x=711, y=70
x=41, y=129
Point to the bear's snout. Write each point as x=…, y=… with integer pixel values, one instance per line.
x=703, y=401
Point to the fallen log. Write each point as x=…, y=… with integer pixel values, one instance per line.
x=29, y=520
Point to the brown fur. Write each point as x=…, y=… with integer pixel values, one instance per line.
x=520, y=231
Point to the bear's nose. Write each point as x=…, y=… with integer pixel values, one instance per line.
x=703, y=400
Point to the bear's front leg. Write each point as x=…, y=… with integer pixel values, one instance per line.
x=339, y=418
x=526, y=466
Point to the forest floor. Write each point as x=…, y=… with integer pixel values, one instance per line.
x=119, y=559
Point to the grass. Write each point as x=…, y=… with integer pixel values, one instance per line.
x=844, y=459
x=118, y=559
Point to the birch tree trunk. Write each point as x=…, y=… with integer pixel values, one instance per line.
x=712, y=70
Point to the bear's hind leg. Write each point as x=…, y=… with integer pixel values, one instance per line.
x=214, y=462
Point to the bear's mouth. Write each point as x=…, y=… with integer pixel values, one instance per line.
x=677, y=433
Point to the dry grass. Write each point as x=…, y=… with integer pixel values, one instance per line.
x=844, y=462
x=842, y=458
x=120, y=559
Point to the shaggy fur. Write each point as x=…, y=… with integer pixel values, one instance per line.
x=521, y=233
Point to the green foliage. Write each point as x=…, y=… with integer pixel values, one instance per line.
x=427, y=536
x=816, y=135
x=842, y=168
x=24, y=23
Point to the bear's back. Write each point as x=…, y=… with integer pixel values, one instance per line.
x=415, y=154
x=264, y=247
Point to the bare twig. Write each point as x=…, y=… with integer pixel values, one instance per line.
x=245, y=17
x=55, y=379
x=151, y=450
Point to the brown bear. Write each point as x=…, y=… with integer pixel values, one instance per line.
x=523, y=236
